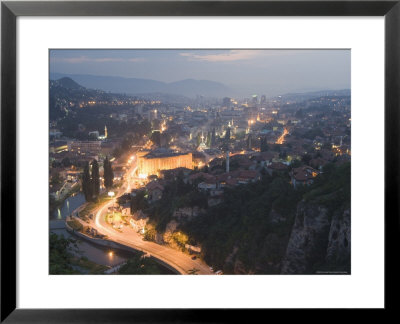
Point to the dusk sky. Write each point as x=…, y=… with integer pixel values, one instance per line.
x=269, y=72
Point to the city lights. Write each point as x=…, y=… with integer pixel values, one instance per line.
x=198, y=179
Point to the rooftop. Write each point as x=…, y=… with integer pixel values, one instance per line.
x=162, y=152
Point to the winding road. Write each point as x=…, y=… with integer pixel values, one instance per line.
x=127, y=236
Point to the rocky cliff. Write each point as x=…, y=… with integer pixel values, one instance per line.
x=319, y=241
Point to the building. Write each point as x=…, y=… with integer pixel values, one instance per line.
x=201, y=176
x=85, y=147
x=54, y=134
x=203, y=145
x=276, y=167
x=108, y=147
x=246, y=176
x=162, y=159
x=207, y=185
x=173, y=174
x=94, y=134
x=154, y=190
x=105, y=134
x=152, y=114
x=254, y=99
x=193, y=249
x=118, y=172
x=58, y=147
x=303, y=175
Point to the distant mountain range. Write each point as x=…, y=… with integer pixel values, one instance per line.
x=133, y=86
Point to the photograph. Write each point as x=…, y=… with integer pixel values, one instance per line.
x=199, y=161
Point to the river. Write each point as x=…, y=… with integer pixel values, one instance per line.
x=69, y=205
x=100, y=255
x=95, y=253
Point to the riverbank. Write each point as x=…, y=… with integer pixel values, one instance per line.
x=56, y=204
x=114, y=245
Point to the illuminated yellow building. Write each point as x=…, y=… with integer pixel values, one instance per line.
x=153, y=162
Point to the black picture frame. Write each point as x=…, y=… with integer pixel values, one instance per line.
x=10, y=10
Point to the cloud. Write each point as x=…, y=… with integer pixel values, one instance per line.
x=245, y=55
x=231, y=56
x=86, y=59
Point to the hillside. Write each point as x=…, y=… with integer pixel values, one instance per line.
x=66, y=95
x=134, y=86
x=67, y=83
x=268, y=227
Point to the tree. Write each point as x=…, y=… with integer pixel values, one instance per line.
x=139, y=264
x=240, y=135
x=283, y=155
x=127, y=142
x=299, y=113
x=55, y=179
x=226, y=102
x=295, y=164
x=60, y=256
x=156, y=138
x=95, y=178
x=249, y=140
x=117, y=152
x=87, y=187
x=198, y=139
x=263, y=144
x=105, y=172
x=228, y=134
x=139, y=202
x=66, y=162
x=108, y=173
x=327, y=146
x=213, y=141
x=306, y=158
x=209, y=139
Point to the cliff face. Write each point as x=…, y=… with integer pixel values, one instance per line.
x=319, y=241
x=338, y=250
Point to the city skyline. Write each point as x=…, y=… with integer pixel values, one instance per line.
x=184, y=177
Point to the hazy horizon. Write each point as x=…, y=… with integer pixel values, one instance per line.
x=269, y=72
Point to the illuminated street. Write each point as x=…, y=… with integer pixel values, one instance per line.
x=129, y=237
x=281, y=138
x=193, y=164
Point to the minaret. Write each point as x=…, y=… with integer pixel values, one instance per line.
x=105, y=131
x=227, y=161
